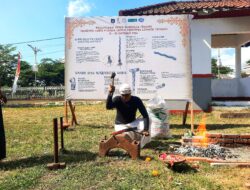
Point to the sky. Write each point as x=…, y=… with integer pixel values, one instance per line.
x=41, y=24
x=31, y=20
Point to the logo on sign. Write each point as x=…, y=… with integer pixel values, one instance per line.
x=132, y=20
x=124, y=20
x=141, y=19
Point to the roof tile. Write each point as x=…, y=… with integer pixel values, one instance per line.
x=187, y=6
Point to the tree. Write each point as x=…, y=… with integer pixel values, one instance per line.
x=248, y=62
x=8, y=64
x=51, y=72
x=8, y=61
x=244, y=74
x=223, y=69
x=26, y=75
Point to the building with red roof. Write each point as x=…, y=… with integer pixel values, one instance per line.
x=214, y=24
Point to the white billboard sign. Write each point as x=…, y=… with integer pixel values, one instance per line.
x=150, y=53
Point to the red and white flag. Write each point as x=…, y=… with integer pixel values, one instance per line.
x=18, y=68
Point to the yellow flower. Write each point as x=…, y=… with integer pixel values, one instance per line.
x=148, y=159
x=155, y=173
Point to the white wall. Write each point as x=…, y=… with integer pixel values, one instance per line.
x=231, y=87
x=245, y=87
x=202, y=29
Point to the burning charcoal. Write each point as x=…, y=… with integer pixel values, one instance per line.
x=212, y=151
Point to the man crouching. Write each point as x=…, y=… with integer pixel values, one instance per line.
x=126, y=107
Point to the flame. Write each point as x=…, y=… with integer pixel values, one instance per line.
x=202, y=131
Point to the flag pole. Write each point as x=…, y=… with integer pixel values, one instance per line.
x=18, y=69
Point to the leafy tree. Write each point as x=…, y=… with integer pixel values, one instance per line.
x=248, y=62
x=244, y=74
x=8, y=64
x=8, y=61
x=26, y=75
x=222, y=69
x=51, y=72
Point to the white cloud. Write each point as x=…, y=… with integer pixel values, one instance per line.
x=78, y=8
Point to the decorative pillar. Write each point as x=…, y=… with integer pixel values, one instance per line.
x=238, y=62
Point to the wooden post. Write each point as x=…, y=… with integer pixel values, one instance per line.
x=72, y=109
x=185, y=113
x=55, y=130
x=192, y=117
x=66, y=123
x=66, y=111
x=62, y=137
x=56, y=165
x=72, y=120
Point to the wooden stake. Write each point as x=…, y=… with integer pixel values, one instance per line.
x=66, y=111
x=56, y=164
x=66, y=123
x=55, y=129
x=185, y=113
x=192, y=117
x=62, y=137
x=72, y=109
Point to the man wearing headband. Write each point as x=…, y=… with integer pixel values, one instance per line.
x=126, y=107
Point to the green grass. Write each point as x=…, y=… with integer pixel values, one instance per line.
x=30, y=146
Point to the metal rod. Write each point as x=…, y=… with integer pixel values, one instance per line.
x=62, y=137
x=56, y=159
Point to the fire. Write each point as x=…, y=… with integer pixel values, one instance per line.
x=202, y=131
